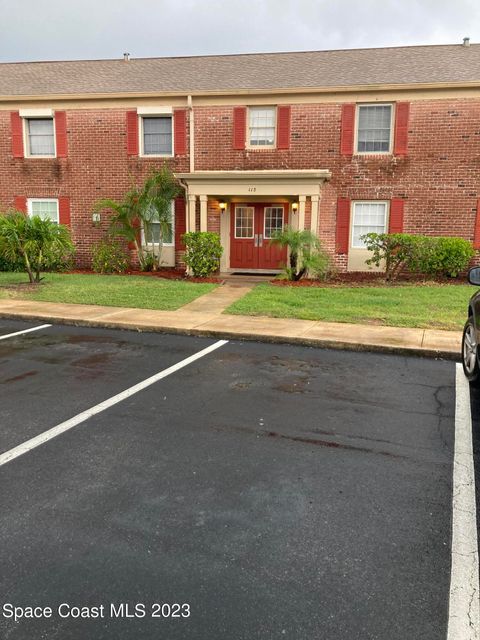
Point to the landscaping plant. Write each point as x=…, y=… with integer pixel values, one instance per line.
x=146, y=209
x=306, y=254
x=202, y=252
x=108, y=256
x=433, y=256
x=39, y=244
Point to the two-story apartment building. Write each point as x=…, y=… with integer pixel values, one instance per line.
x=339, y=142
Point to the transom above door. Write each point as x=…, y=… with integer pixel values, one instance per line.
x=251, y=230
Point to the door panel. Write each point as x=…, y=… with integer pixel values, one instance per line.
x=242, y=234
x=251, y=228
x=272, y=218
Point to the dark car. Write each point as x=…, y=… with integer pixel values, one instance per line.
x=471, y=332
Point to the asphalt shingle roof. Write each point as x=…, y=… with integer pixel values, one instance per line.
x=259, y=71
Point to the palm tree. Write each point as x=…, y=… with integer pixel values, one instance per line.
x=158, y=191
x=302, y=244
x=143, y=209
x=38, y=242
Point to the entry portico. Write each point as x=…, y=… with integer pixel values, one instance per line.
x=257, y=203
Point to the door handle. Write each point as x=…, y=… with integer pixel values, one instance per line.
x=260, y=239
x=255, y=240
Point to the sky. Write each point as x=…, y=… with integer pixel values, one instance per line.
x=92, y=29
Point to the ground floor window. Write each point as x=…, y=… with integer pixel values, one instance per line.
x=153, y=232
x=46, y=208
x=368, y=217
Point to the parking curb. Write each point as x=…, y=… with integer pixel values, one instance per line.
x=251, y=337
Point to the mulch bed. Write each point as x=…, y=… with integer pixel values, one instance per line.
x=366, y=279
x=168, y=274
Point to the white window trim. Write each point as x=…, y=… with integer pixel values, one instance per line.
x=140, y=133
x=272, y=206
x=352, y=218
x=356, y=152
x=261, y=147
x=26, y=139
x=151, y=245
x=243, y=206
x=31, y=200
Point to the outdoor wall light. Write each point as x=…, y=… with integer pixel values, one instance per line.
x=294, y=207
x=223, y=205
x=96, y=217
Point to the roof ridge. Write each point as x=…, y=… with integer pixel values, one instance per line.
x=232, y=55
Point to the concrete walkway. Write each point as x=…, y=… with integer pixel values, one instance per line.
x=204, y=317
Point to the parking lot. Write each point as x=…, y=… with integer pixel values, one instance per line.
x=279, y=491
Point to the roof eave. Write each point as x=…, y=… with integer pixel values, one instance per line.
x=245, y=92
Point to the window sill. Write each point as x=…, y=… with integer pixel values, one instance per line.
x=247, y=148
x=155, y=155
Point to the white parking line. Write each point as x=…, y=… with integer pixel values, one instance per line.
x=19, y=333
x=102, y=406
x=464, y=610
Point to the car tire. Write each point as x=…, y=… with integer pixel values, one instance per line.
x=469, y=353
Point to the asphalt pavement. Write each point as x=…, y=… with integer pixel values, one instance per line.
x=262, y=491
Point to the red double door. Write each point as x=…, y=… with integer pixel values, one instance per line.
x=252, y=227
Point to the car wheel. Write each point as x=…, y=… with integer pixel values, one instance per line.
x=469, y=352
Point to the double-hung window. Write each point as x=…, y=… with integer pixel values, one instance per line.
x=261, y=126
x=46, y=208
x=368, y=217
x=40, y=137
x=154, y=232
x=157, y=136
x=374, y=128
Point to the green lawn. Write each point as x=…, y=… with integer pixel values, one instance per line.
x=424, y=306
x=115, y=291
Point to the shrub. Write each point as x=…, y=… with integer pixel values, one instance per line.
x=443, y=256
x=433, y=256
x=203, y=252
x=7, y=264
x=108, y=256
x=394, y=250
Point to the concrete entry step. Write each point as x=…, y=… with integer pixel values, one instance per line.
x=252, y=279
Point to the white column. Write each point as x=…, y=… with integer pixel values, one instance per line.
x=301, y=212
x=203, y=213
x=314, y=218
x=191, y=213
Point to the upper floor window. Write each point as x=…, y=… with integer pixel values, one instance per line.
x=374, y=128
x=157, y=137
x=368, y=217
x=261, y=126
x=40, y=136
x=46, y=208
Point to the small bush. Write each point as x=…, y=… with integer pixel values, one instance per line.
x=7, y=264
x=394, y=250
x=432, y=256
x=444, y=256
x=108, y=256
x=203, y=252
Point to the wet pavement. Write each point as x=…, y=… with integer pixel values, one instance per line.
x=279, y=491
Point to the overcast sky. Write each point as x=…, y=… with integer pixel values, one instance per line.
x=79, y=29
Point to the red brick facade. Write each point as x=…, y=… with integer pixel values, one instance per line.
x=438, y=178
